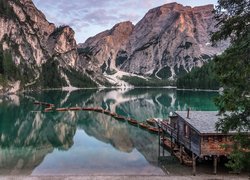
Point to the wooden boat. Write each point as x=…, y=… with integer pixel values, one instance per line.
x=37, y=103
x=154, y=130
x=61, y=109
x=132, y=121
x=118, y=117
x=151, y=121
x=106, y=112
x=113, y=114
x=143, y=125
x=87, y=109
x=75, y=108
x=48, y=109
x=99, y=110
x=50, y=105
x=44, y=104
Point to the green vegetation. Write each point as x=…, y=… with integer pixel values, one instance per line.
x=51, y=77
x=200, y=78
x=233, y=70
x=78, y=79
x=137, y=81
x=8, y=69
x=6, y=9
x=58, y=30
x=86, y=50
x=164, y=73
x=180, y=71
x=121, y=58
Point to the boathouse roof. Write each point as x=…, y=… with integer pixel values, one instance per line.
x=203, y=121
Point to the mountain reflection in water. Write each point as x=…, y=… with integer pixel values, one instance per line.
x=34, y=142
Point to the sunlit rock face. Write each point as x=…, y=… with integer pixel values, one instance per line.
x=105, y=46
x=32, y=41
x=169, y=40
x=98, y=53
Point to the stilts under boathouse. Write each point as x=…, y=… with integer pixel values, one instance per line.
x=193, y=134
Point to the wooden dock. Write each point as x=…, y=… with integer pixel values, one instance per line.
x=150, y=127
x=194, y=136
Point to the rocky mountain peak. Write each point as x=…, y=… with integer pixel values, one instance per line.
x=105, y=46
x=168, y=41
x=122, y=28
x=205, y=8
x=40, y=54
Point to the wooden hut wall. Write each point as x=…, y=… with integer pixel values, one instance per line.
x=216, y=145
x=189, y=137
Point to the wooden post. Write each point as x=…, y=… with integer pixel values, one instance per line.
x=171, y=139
x=159, y=143
x=215, y=164
x=163, y=137
x=181, y=154
x=194, y=164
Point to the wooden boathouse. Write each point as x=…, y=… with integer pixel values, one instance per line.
x=194, y=134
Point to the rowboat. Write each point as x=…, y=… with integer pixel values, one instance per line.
x=48, y=109
x=99, y=110
x=106, y=112
x=118, y=117
x=61, y=109
x=113, y=114
x=151, y=121
x=132, y=121
x=75, y=108
x=44, y=104
x=154, y=130
x=87, y=109
x=143, y=125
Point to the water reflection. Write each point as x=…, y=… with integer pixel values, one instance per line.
x=28, y=135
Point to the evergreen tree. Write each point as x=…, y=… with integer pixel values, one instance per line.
x=233, y=70
x=1, y=60
x=199, y=78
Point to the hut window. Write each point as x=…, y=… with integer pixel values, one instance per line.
x=186, y=131
x=175, y=125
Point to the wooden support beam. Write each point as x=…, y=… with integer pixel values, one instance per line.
x=171, y=139
x=194, y=163
x=215, y=164
x=181, y=161
x=163, y=134
x=159, y=144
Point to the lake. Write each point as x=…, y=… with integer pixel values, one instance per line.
x=33, y=142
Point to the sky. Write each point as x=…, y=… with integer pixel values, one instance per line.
x=90, y=17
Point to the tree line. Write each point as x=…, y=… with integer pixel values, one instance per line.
x=200, y=78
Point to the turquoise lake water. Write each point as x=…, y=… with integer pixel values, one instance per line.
x=33, y=142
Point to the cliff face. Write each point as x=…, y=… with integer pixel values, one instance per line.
x=169, y=40
x=99, y=52
x=35, y=49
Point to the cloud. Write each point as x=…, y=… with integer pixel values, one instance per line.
x=90, y=16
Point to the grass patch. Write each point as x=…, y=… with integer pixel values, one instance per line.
x=152, y=82
x=78, y=79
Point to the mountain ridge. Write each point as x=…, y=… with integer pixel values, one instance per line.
x=170, y=39
x=35, y=54
x=42, y=55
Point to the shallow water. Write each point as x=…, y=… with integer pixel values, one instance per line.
x=33, y=142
